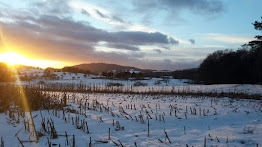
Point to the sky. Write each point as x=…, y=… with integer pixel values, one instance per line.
x=149, y=34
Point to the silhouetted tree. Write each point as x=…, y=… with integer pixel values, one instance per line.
x=241, y=66
x=6, y=74
x=75, y=70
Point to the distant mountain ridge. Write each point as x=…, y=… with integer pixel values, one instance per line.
x=102, y=67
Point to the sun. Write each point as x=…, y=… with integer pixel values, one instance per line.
x=13, y=58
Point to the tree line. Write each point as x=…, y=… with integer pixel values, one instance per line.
x=124, y=75
x=227, y=66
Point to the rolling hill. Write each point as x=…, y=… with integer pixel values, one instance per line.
x=101, y=67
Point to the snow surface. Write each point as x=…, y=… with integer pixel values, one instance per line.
x=171, y=85
x=239, y=120
x=222, y=121
x=92, y=79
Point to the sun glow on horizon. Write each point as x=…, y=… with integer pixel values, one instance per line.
x=13, y=58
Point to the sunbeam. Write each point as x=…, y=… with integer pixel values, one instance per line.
x=26, y=106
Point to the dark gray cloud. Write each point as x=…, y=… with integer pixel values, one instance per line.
x=167, y=60
x=79, y=31
x=173, y=41
x=101, y=14
x=85, y=32
x=112, y=17
x=43, y=46
x=122, y=46
x=157, y=50
x=148, y=9
x=165, y=47
x=199, y=6
x=192, y=41
x=82, y=31
x=142, y=38
x=118, y=19
x=85, y=12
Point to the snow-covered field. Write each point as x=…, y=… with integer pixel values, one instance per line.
x=185, y=120
x=94, y=80
x=163, y=86
x=139, y=119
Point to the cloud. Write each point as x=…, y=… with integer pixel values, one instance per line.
x=1, y=42
x=229, y=38
x=62, y=38
x=79, y=31
x=118, y=19
x=167, y=60
x=51, y=7
x=50, y=46
x=50, y=34
x=165, y=47
x=101, y=14
x=85, y=12
x=199, y=6
x=192, y=41
x=173, y=41
x=143, y=38
x=157, y=50
x=170, y=10
x=113, y=19
x=122, y=46
x=206, y=7
x=43, y=46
